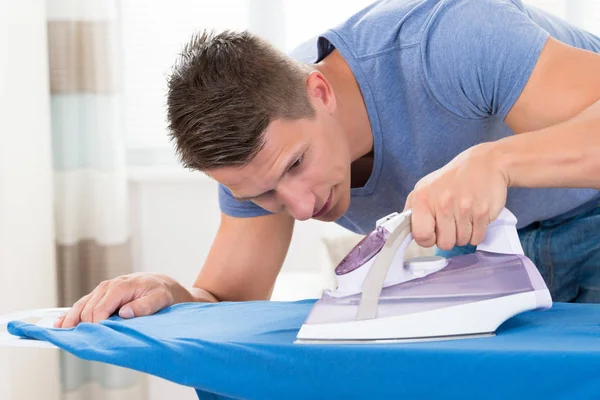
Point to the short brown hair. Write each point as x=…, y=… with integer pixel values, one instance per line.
x=224, y=91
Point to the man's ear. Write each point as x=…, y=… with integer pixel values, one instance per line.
x=320, y=90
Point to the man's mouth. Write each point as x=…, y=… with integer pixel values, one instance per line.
x=325, y=207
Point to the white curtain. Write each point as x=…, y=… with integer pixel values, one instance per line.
x=27, y=268
x=90, y=175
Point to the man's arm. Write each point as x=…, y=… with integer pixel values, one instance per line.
x=557, y=121
x=245, y=258
x=558, y=118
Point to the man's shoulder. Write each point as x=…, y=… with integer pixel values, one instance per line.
x=391, y=24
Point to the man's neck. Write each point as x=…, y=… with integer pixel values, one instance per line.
x=351, y=112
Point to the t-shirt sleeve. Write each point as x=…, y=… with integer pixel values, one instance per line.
x=478, y=55
x=235, y=208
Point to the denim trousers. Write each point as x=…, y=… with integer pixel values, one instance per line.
x=566, y=251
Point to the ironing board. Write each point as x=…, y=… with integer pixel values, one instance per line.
x=246, y=350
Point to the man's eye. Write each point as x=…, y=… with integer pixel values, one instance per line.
x=297, y=163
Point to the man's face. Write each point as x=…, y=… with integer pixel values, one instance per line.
x=303, y=170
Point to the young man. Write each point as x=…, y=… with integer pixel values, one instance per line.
x=452, y=108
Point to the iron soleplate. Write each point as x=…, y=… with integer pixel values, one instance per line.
x=392, y=341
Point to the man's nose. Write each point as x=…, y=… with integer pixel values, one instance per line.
x=298, y=203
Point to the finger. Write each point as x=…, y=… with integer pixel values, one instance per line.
x=116, y=295
x=445, y=228
x=73, y=316
x=423, y=224
x=464, y=224
x=408, y=203
x=146, y=305
x=87, y=314
x=59, y=321
x=480, y=222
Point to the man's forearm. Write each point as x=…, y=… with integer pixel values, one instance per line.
x=563, y=155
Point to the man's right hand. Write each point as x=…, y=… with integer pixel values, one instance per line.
x=243, y=263
x=131, y=295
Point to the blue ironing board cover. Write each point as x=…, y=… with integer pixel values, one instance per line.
x=245, y=350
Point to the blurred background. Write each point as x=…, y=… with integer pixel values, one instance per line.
x=90, y=187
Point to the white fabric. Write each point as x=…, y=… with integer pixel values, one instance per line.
x=26, y=225
x=27, y=270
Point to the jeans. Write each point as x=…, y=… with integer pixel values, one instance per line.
x=566, y=251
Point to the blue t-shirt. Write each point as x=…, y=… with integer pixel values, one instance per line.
x=438, y=77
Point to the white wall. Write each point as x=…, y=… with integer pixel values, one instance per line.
x=27, y=276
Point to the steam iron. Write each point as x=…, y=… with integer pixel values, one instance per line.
x=381, y=297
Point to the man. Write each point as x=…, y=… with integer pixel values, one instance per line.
x=451, y=108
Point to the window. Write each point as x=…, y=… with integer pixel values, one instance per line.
x=153, y=33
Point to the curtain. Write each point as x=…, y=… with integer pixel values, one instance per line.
x=27, y=269
x=90, y=181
